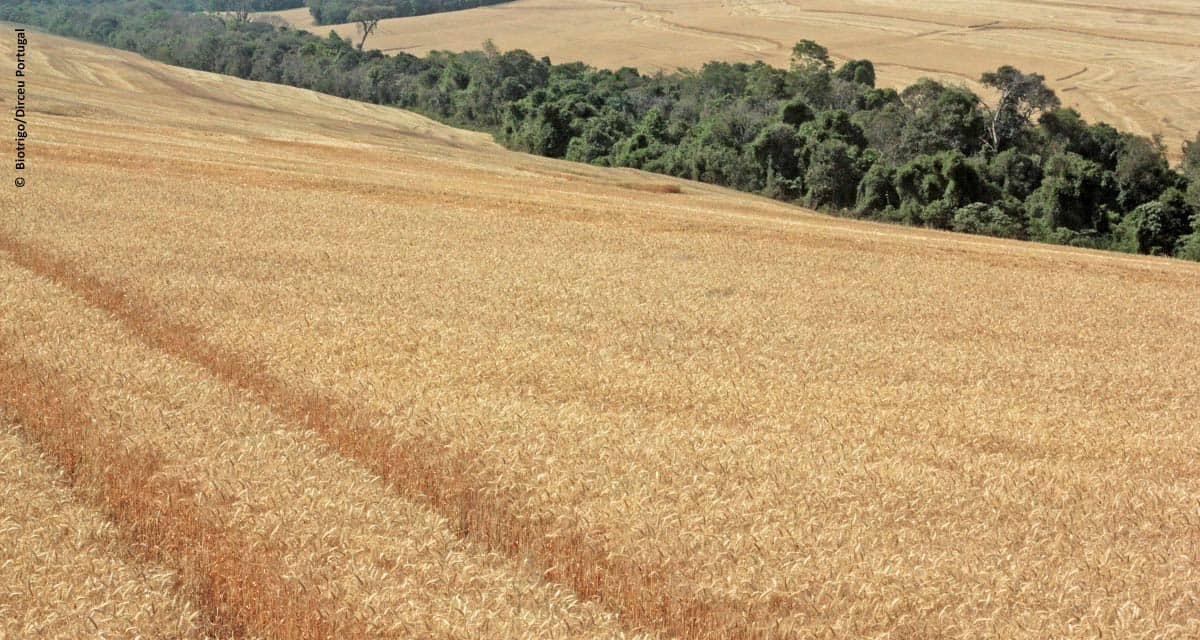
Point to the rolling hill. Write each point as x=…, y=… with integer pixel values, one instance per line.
x=276, y=364
x=1135, y=65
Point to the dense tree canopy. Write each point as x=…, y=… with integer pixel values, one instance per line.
x=936, y=155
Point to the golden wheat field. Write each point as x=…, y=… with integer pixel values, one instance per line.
x=1133, y=64
x=279, y=365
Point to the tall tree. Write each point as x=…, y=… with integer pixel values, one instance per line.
x=367, y=19
x=1022, y=96
x=807, y=53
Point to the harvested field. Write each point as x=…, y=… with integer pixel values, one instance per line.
x=1135, y=65
x=347, y=372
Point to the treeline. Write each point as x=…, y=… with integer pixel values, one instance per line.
x=340, y=11
x=933, y=155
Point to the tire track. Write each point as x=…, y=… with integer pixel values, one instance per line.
x=657, y=15
x=274, y=485
x=1090, y=33
x=238, y=585
x=1103, y=8
x=996, y=25
x=418, y=468
x=1072, y=75
x=104, y=585
x=870, y=14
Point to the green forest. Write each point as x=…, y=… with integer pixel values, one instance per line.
x=816, y=133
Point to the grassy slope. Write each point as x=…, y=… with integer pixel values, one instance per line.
x=714, y=414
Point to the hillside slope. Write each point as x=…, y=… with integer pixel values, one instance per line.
x=1134, y=65
x=352, y=373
